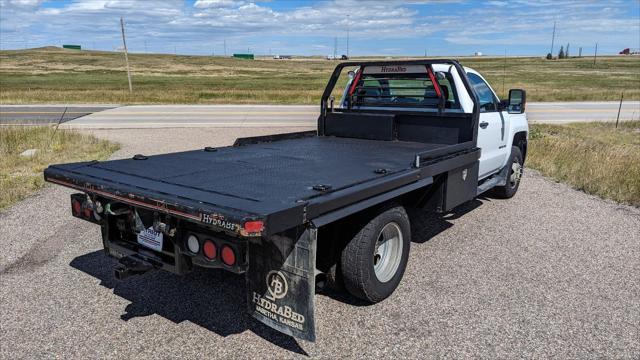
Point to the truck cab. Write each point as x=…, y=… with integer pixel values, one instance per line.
x=502, y=124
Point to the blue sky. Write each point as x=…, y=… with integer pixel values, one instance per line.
x=376, y=27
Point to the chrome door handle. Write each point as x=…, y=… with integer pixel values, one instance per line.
x=484, y=124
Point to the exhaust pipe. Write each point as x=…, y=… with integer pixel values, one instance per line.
x=129, y=266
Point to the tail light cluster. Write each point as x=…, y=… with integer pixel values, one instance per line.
x=211, y=250
x=82, y=207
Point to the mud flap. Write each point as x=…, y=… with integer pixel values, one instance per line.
x=281, y=282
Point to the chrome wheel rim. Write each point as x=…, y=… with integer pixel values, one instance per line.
x=388, y=252
x=516, y=174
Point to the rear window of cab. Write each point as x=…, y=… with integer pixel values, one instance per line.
x=381, y=86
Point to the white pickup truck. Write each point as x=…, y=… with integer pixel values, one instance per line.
x=293, y=212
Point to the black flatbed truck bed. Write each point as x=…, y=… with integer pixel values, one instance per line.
x=284, y=182
x=291, y=185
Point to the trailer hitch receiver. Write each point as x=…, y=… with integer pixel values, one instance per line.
x=129, y=266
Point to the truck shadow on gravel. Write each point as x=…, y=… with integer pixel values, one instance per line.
x=426, y=225
x=213, y=299
x=216, y=299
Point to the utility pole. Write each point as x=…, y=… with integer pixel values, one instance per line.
x=348, y=23
x=225, y=47
x=580, y=52
x=595, y=54
x=553, y=38
x=567, y=52
x=126, y=56
x=504, y=70
x=335, y=47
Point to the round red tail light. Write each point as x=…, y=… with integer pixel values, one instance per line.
x=87, y=212
x=77, y=207
x=209, y=250
x=228, y=256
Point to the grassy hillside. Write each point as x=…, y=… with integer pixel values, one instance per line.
x=56, y=75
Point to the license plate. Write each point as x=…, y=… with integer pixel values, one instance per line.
x=151, y=239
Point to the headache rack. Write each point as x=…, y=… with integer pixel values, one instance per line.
x=326, y=102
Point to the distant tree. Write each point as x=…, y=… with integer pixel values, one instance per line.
x=549, y=56
x=561, y=53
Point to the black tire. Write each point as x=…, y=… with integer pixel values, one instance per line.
x=357, y=260
x=511, y=187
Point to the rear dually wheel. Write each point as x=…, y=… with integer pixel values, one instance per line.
x=374, y=261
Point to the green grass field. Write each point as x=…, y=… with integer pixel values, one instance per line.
x=53, y=75
x=20, y=176
x=593, y=157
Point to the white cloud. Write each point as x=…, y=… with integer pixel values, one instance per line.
x=20, y=3
x=165, y=23
x=204, y=4
x=513, y=24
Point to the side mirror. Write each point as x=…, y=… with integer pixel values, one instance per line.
x=517, y=101
x=351, y=74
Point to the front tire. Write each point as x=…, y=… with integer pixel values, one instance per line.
x=374, y=261
x=514, y=176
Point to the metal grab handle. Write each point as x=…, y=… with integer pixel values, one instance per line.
x=484, y=124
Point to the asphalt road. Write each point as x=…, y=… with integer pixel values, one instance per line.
x=552, y=272
x=159, y=116
x=168, y=116
x=46, y=114
x=152, y=116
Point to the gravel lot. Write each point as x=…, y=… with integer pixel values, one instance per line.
x=552, y=272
